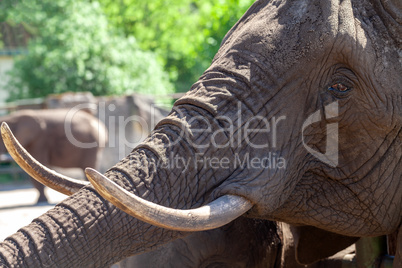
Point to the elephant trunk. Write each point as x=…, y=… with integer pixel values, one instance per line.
x=72, y=232
x=82, y=231
x=215, y=215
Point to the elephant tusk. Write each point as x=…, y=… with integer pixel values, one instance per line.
x=216, y=214
x=35, y=169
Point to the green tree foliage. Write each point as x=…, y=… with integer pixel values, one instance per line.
x=75, y=49
x=185, y=34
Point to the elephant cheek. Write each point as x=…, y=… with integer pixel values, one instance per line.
x=265, y=182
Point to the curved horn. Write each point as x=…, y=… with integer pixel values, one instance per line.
x=216, y=214
x=35, y=169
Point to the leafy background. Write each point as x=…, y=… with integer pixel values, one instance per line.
x=114, y=47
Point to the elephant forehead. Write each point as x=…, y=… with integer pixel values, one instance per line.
x=287, y=32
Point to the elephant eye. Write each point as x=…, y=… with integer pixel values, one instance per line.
x=339, y=87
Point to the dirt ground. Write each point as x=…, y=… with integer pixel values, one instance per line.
x=18, y=209
x=17, y=206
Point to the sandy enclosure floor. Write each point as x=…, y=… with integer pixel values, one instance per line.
x=17, y=206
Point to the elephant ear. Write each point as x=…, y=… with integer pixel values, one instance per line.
x=313, y=244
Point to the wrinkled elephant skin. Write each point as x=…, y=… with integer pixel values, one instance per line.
x=314, y=85
x=242, y=243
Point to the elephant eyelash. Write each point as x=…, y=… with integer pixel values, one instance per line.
x=340, y=87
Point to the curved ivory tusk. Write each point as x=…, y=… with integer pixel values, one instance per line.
x=216, y=214
x=35, y=169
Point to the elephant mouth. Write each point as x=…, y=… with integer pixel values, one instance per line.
x=213, y=215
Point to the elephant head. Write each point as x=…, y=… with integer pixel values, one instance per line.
x=26, y=126
x=298, y=119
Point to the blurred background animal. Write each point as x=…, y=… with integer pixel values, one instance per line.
x=58, y=137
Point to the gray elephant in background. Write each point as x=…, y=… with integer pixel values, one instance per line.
x=58, y=137
x=129, y=120
x=312, y=84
